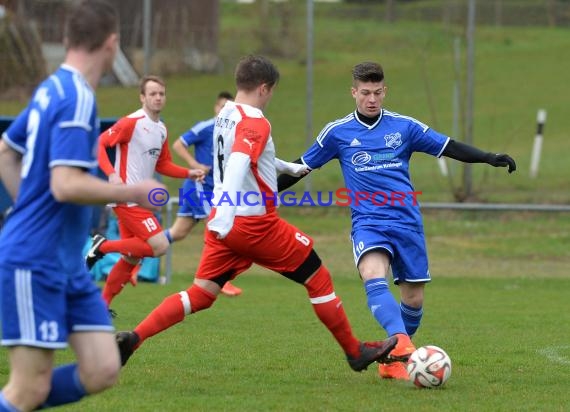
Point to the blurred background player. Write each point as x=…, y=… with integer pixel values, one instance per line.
x=374, y=147
x=239, y=235
x=141, y=143
x=195, y=208
x=49, y=299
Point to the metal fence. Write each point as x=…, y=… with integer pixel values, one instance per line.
x=201, y=35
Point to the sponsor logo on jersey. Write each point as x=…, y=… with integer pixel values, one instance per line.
x=154, y=152
x=380, y=157
x=250, y=144
x=355, y=142
x=393, y=140
x=361, y=158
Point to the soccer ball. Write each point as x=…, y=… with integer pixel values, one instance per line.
x=429, y=367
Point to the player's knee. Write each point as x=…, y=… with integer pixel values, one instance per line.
x=200, y=298
x=181, y=230
x=414, y=302
x=38, y=395
x=33, y=391
x=374, y=264
x=160, y=247
x=412, y=294
x=131, y=259
x=311, y=265
x=320, y=284
x=100, y=375
x=185, y=230
x=178, y=235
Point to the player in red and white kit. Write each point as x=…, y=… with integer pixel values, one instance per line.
x=240, y=235
x=141, y=142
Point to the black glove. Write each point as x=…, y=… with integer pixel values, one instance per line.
x=502, y=160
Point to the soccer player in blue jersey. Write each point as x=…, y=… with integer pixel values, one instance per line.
x=195, y=201
x=374, y=147
x=47, y=162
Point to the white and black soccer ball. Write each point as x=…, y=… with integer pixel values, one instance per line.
x=429, y=367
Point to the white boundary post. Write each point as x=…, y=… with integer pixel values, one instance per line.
x=442, y=166
x=537, y=146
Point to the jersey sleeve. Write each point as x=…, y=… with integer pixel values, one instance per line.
x=120, y=132
x=322, y=150
x=104, y=161
x=189, y=138
x=427, y=140
x=73, y=137
x=252, y=134
x=165, y=165
x=16, y=134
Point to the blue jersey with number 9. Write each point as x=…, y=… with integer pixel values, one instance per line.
x=58, y=128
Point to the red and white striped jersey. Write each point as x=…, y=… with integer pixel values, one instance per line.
x=141, y=149
x=245, y=179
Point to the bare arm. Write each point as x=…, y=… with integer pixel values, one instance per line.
x=10, y=168
x=74, y=185
x=185, y=155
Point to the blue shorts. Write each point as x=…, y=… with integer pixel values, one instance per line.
x=194, y=200
x=407, y=249
x=41, y=308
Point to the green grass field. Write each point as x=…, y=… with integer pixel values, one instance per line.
x=266, y=351
x=498, y=303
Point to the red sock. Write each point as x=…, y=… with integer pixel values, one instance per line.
x=173, y=309
x=132, y=246
x=117, y=279
x=331, y=312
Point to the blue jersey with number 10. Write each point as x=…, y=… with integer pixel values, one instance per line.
x=375, y=164
x=58, y=128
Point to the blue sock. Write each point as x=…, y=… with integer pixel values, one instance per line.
x=168, y=236
x=65, y=386
x=412, y=317
x=383, y=306
x=6, y=406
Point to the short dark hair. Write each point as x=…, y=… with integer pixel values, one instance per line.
x=225, y=95
x=89, y=24
x=150, y=78
x=253, y=71
x=367, y=72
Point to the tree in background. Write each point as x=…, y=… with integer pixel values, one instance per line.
x=22, y=65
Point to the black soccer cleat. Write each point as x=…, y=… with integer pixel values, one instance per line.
x=113, y=314
x=94, y=254
x=372, y=352
x=127, y=342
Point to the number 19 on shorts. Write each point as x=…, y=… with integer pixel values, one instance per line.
x=150, y=224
